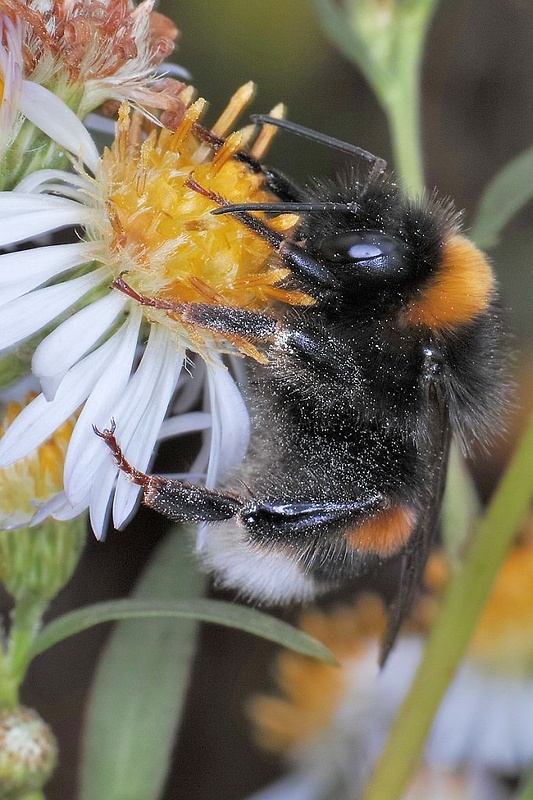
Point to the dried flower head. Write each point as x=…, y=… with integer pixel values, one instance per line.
x=90, y=51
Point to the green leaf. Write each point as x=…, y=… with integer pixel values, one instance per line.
x=505, y=195
x=142, y=679
x=460, y=508
x=217, y=612
x=141, y=682
x=526, y=790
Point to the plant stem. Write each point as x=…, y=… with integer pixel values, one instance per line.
x=25, y=620
x=462, y=605
x=526, y=790
x=403, y=113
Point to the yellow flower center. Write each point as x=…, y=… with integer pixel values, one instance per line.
x=162, y=234
x=310, y=691
x=36, y=478
x=503, y=640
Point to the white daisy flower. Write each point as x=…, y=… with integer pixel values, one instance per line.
x=331, y=723
x=91, y=51
x=21, y=98
x=62, y=60
x=37, y=561
x=140, y=217
x=35, y=478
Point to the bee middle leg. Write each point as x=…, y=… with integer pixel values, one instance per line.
x=239, y=324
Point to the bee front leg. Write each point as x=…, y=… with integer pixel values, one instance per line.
x=175, y=499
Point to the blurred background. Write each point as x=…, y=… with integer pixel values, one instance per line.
x=477, y=114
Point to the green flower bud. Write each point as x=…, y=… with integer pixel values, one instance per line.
x=28, y=753
x=37, y=562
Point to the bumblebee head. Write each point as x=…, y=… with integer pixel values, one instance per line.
x=382, y=248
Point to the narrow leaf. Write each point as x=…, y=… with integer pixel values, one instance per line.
x=505, y=195
x=217, y=612
x=141, y=684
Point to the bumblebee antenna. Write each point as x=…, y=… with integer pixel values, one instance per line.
x=379, y=164
x=284, y=208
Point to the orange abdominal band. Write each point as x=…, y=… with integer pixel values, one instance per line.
x=384, y=534
x=459, y=291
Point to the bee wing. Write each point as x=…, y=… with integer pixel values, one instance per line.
x=434, y=450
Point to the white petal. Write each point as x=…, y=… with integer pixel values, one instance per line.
x=102, y=125
x=190, y=387
x=141, y=413
x=59, y=508
x=231, y=422
x=177, y=71
x=40, y=180
x=52, y=116
x=484, y=719
x=38, y=420
x=28, y=314
x=25, y=216
x=72, y=339
x=100, y=500
x=17, y=519
x=184, y=423
x=24, y=270
x=15, y=203
x=298, y=786
x=87, y=454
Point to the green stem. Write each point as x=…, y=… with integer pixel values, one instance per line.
x=526, y=792
x=402, y=105
x=399, y=94
x=390, y=58
x=25, y=621
x=9, y=687
x=462, y=605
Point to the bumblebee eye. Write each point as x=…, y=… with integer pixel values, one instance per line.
x=372, y=252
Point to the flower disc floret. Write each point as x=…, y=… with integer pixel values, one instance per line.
x=161, y=235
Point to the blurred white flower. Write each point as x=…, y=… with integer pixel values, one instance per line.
x=331, y=723
x=59, y=61
x=91, y=51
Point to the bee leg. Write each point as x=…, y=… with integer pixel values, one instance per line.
x=284, y=520
x=317, y=351
x=224, y=320
x=175, y=499
x=238, y=323
x=295, y=257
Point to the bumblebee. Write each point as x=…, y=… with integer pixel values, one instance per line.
x=353, y=412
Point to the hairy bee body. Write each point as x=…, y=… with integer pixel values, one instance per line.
x=357, y=427
x=353, y=412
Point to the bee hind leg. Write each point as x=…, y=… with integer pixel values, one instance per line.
x=175, y=499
